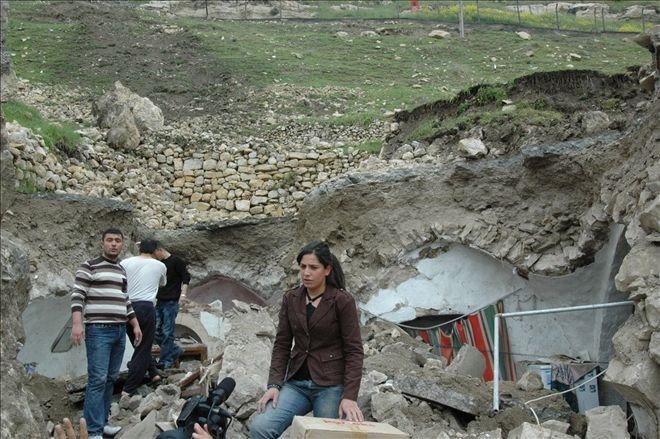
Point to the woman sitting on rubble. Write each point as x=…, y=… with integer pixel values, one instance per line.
x=323, y=370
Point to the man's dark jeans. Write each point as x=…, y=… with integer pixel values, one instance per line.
x=141, y=361
x=166, y=312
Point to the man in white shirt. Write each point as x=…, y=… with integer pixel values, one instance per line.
x=144, y=275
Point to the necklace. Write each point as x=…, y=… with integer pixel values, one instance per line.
x=313, y=299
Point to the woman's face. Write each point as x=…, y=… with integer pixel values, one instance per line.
x=313, y=273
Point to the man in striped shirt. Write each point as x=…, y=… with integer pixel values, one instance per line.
x=99, y=294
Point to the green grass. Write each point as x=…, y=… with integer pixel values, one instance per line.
x=358, y=77
x=27, y=185
x=486, y=12
x=372, y=146
x=61, y=136
x=424, y=130
x=41, y=51
x=526, y=113
x=374, y=75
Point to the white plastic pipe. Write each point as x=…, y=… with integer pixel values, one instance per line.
x=496, y=337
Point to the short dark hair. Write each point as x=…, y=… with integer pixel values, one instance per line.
x=322, y=251
x=149, y=246
x=112, y=231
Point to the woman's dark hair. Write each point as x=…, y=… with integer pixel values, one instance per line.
x=322, y=252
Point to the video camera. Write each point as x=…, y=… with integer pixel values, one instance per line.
x=202, y=411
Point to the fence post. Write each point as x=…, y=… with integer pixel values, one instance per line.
x=280, y=10
x=643, y=21
x=478, y=15
x=557, y=14
x=518, y=10
x=602, y=17
x=460, y=20
x=595, y=22
x=206, y=5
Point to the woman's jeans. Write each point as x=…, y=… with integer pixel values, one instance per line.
x=166, y=312
x=105, y=344
x=297, y=398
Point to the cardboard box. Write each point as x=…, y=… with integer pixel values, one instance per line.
x=587, y=394
x=545, y=371
x=305, y=427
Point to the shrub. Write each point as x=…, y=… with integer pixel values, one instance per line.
x=489, y=94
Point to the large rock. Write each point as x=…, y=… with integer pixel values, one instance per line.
x=148, y=117
x=649, y=219
x=439, y=34
x=531, y=431
x=638, y=382
x=250, y=330
x=469, y=361
x=640, y=268
x=606, y=422
x=123, y=133
x=472, y=148
x=20, y=415
x=595, y=121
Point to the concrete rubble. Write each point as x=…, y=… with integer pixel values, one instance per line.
x=607, y=423
x=420, y=398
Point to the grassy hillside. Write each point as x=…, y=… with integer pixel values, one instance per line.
x=349, y=79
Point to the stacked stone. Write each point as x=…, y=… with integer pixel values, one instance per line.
x=175, y=186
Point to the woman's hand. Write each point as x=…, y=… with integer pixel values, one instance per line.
x=271, y=394
x=68, y=433
x=201, y=433
x=349, y=409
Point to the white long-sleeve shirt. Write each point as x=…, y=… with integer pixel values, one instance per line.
x=144, y=276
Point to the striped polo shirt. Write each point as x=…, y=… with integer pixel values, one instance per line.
x=99, y=292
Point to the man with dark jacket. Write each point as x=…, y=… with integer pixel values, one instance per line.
x=167, y=305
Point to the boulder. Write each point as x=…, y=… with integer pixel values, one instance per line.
x=637, y=382
x=638, y=267
x=531, y=431
x=606, y=423
x=530, y=381
x=123, y=133
x=439, y=34
x=654, y=347
x=594, y=122
x=524, y=35
x=649, y=219
x=249, y=329
x=20, y=415
x=469, y=361
x=472, y=148
x=148, y=117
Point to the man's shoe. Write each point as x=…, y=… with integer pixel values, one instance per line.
x=98, y=436
x=110, y=430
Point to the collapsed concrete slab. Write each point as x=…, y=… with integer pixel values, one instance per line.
x=467, y=394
